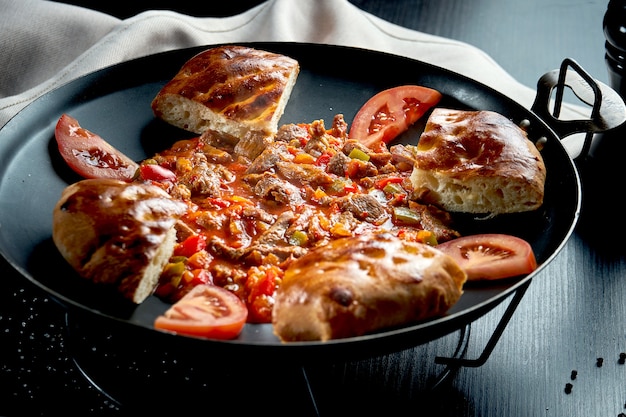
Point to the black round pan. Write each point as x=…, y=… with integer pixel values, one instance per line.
x=115, y=103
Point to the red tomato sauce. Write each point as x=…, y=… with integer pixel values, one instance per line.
x=250, y=213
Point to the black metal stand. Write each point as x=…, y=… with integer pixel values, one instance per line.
x=457, y=362
x=452, y=363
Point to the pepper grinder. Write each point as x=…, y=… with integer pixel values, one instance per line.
x=602, y=172
x=611, y=146
x=614, y=25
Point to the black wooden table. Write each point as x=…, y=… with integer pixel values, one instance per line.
x=558, y=356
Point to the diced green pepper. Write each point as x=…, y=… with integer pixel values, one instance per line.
x=173, y=269
x=341, y=185
x=406, y=216
x=392, y=188
x=299, y=238
x=178, y=258
x=359, y=154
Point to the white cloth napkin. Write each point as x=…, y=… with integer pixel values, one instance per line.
x=46, y=44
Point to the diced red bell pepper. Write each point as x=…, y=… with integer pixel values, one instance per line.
x=190, y=245
x=201, y=276
x=382, y=183
x=323, y=159
x=154, y=172
x=268, y=284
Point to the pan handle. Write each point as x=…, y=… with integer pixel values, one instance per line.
x=608, y=109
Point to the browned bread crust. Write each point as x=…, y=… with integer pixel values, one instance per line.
x=233, y=90
x=478, y=162
x=115, y=233
x=358, y=285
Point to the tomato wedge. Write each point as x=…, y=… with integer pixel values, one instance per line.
x=89, y=155
x=391, y=112
x=206, y=311
x=491, y=256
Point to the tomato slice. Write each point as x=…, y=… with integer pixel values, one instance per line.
x=491, y=256
x=206, y=311
x=390, y=112
x=89, y=155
